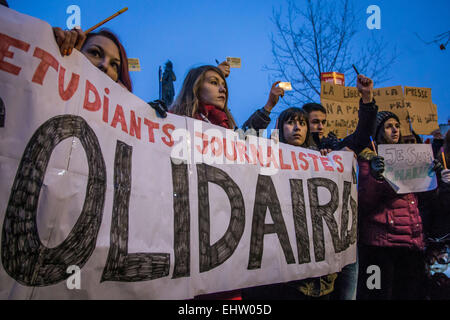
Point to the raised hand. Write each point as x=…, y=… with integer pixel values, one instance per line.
x=67, y=40
x=225, y=68
x=365, y=87
x=274, y=96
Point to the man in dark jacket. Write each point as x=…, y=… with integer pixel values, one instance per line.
x=345, y=287
x=359, y=139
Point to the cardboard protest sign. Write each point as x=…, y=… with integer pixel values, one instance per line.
x=408, y=167
x=421, y=109
x=342, y=105
x=413, y=107
x=95, y=187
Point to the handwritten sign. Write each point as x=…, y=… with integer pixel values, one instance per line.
x=408, y=167
x=342, y=105
x=148, y=207
x=391, y=99
x=414, y=108
x=422, y=111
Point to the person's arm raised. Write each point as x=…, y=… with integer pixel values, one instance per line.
x=365, y=87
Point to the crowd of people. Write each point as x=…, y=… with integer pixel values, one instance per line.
x=403, y=234
x=393, y=229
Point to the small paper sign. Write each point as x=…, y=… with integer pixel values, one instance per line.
x=408, y=167
x=285, y=85
x=234, y=62
x=133, y=64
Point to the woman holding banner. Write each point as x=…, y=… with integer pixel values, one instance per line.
x=103, y=49
x=390, y=243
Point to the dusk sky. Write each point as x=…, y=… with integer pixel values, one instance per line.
x=193, y=33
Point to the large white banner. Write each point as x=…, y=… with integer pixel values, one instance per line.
x=102, y=199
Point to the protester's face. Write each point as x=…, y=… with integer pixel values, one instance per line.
x=212, y=90
x=104, y=54
x=295, y=131
x=392, y=130
x=317, y=122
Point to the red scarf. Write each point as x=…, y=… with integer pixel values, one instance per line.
x=214, y=115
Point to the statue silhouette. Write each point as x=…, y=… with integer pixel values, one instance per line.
x=168, y=91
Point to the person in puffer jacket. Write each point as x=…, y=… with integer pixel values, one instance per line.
x=390, y=243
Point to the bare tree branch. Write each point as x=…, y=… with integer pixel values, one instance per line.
x=321, y=38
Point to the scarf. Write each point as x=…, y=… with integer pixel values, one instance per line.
x=214, y=115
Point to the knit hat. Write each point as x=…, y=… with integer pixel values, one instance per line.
x=382, y=116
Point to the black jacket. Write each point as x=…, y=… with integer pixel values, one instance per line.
x=366, y=127
x=359, y=139
x=260, y=119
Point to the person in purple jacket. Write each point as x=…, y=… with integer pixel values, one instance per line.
x=390, y=243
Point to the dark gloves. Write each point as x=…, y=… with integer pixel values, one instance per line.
x=329, y=142
x=377, y=167
x=437, y=167
x=160, y=107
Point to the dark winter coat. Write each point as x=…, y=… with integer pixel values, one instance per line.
x=367, y=115
x=386, y=219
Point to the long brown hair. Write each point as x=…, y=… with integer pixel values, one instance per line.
x=124, y=73
x=187, y=102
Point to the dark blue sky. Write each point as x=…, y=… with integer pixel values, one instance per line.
x=192, y=33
